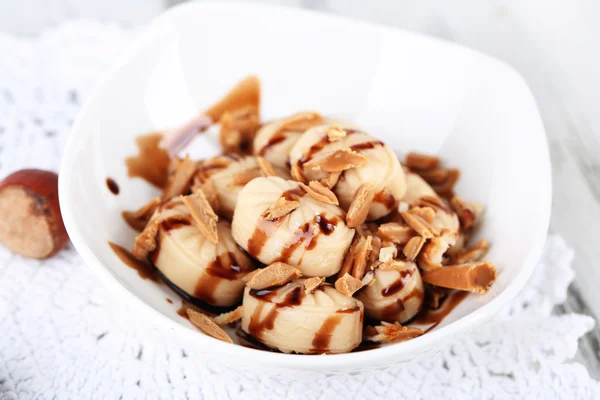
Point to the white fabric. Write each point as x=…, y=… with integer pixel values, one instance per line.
x=63, y=336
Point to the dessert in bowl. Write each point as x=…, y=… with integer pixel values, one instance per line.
x=396, y=222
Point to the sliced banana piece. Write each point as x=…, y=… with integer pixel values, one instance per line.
x=310, y=235
x=396, y=293
x=291, y=320
x=229, y=174
x=381, y=169
x=210, y=272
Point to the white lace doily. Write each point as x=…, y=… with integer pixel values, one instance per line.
x=63, y=336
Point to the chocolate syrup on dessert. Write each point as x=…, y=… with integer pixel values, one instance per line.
x=144, y=269
x=323, y=336
x=435, y=317
x=257, y=326
x=398, y=284
x=112, y=186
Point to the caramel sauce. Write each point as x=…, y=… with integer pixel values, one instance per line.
x=308, y=234
x=391, y=311
x=398, y=284
x=366, y=145
x=386, y=198
x=206, y=286
x=170, y=224
x=312, y=150
x=435, y=317
x=151, y=163
x=144, y=269
x=112, y=186
x=323, y=336
x=257, y=326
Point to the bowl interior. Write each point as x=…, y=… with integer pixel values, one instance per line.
x=413, y=92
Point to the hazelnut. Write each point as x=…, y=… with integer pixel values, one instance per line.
x=31, y=222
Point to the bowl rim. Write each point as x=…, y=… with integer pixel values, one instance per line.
x=206, y=344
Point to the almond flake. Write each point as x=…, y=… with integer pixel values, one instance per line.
x=475, y=277
x=386, y=333
x=395, y=232
x=203, y=215
x=446, y=189
x=419, y=225
x=335, y=133
x=145, y=242
x=229, y=317
x=338, y=161
x=421, y=161
x=265, y=167
x=207, y=325
x=238, y=128
x=427, y=213
x=281, y=208
x=403, y=206
x=246, y=278
x=434, y=176
x=468, y=213
x=348, y=285
x=180, y=182
x=312, y=283
x=473, y=253
x=210, y=191
x=369, y=278
x=139, y=219
x=360, y=257
x=360, y=206
x=432, y=254
x=302, y=121
x=349, y=258
x=374, y=254
x=241, y=178
x=276, y=274
x=387, y=253
x=331, y=180
x=317, y=191
x=297, y=173
x=413, y=247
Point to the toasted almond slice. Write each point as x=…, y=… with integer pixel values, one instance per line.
x=138, y=219
x=374, y=254
x=475, y=277
x=360, y=257
x=331, y=180
x=434, y=176
x=348, y=284
x=266, y=167
x=420, y=225
x=360, y=206
x=468, y=213
x=231, y=139
x=207, y=325
x=241, y=178
x=395, y=232
x=390, y=265
x=246, y=278
x=473, y=253
x=432, y=254
x=421, y=161
x=386, y=333
x=276, y=274
x=280, y=208
x=317, y=191
x=413, y=247
x=229, y=317
x=180, y=182
x=446, y=189
x=427, y=213
x=387, y=253
x=369, y=278
x=302, y=121
x=312, y=283
x=403, y=206
x=203, y=215
x=297, y=174
x=212, y=195
x=349, y=258
x=145, y=242
x=338, y=161
x=335, y=133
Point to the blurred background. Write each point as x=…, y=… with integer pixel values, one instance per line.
x=552, y=43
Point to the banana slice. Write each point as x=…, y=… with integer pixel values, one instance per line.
x=274, y=139
x=229, y=174
x=416, y=188
x=382, y=168
x=312, y=236
x=291, y=320
x=210, y=272
x=396, y=294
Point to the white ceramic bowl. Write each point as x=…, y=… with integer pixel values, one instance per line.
x=412, y=91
